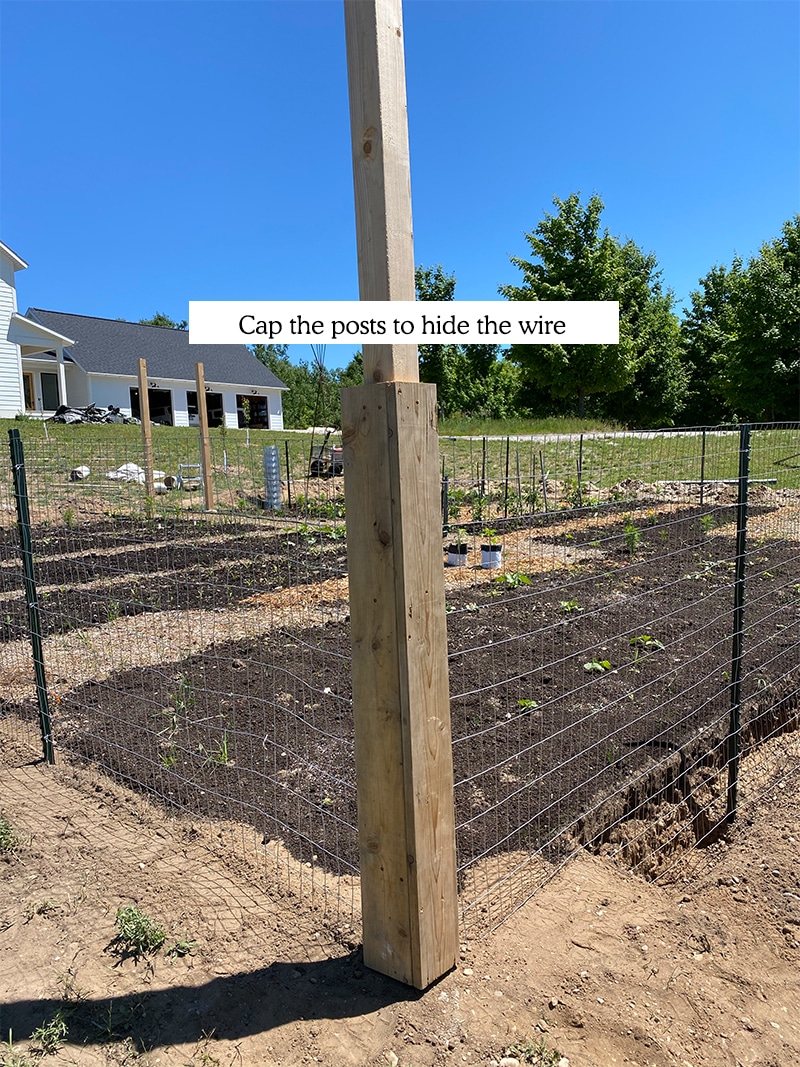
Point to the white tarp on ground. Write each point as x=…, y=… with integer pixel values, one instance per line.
x=132, y=472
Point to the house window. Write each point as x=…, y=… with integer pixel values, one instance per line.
x=27, y=385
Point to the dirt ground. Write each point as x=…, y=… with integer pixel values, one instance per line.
x=600, y=968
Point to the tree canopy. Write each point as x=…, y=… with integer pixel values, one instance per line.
x=160, y=319
x=573, y=259
x=312, y=398
x=736, y=353
x=469, y=379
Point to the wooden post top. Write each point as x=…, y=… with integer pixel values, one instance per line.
x=381, y=171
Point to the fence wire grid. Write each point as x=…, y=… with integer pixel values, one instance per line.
x=637, y=641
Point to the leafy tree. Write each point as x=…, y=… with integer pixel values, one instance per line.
x=760, y=372
x=469, y=379
x=160, y=319
x=742, y=335
x=312, y=397
x=574, y=260
x=657, y=392
x=706, y=329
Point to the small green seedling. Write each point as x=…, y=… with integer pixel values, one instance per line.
x=643, y=644
x=182, y=948
x=632, y=535
x=708, y=523
x=539, y=1054
x=512, y=579
x=597, y=666
x=12, y=1057
x=570, y=605
x=528, y=705
x=183, y=699
x=138, y=933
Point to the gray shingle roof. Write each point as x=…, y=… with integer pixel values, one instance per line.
x=108, y=346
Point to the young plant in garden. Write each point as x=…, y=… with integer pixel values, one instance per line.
x=8, y=839
x=138, y=933
x=632, y=535
x=570, y=606
x=512, y=579
x=597, y=666
x=528, y=705
x=708, y=523
x=644, y=644
x=183, y=700
x=49, y=1037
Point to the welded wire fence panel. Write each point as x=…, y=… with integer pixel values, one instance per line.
x=16, y=656
x=199, y=656
x=591, y=677
x=205, y=656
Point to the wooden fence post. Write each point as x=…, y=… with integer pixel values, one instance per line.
x=392, y=490
x=205, y=442
x=147, y=433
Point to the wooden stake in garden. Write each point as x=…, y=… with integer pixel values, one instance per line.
x=400, y=680
x=205, y=442
x=147, y=433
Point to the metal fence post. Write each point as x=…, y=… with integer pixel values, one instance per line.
x=734, y=728
x=26, y=548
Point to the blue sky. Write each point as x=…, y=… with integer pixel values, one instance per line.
x=159, y=152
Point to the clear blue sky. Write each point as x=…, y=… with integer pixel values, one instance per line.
x=157, y=152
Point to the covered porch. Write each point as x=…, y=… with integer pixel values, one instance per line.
x=44, y=378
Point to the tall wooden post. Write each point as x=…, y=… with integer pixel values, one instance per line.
x=205, y=442
x=147, y=432
x=391, y=459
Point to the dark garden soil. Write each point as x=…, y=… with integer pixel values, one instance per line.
x=607, y=682
x=88, y=577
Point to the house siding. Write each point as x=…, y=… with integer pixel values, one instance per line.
x=12, y=398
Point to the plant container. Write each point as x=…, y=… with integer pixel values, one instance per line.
x=491, y=556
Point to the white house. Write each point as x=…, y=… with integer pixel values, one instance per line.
x=48, y=358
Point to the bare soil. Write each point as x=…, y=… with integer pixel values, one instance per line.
x=601, y=966
x=261, y=730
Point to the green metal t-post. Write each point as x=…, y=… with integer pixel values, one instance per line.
x=24, y=521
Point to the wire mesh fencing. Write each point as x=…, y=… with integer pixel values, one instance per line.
x=606, y=682
x=199, y=656
x=635, y=643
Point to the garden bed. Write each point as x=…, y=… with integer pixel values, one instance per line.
x=574, y=678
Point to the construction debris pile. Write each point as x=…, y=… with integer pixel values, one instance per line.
x=92, y=413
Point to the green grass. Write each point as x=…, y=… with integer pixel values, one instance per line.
x=475, y=427
x=50, y=1036
x=488, y=478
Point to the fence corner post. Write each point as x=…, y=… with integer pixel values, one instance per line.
x=34, y=622
x=401, y=700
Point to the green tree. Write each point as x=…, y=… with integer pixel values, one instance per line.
x=657, y=392
x=312, y=397
x=469, y=379
x=706, y=329
x=160, y=319
x=575, y=260
x=760, y=368
x=742, y=335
